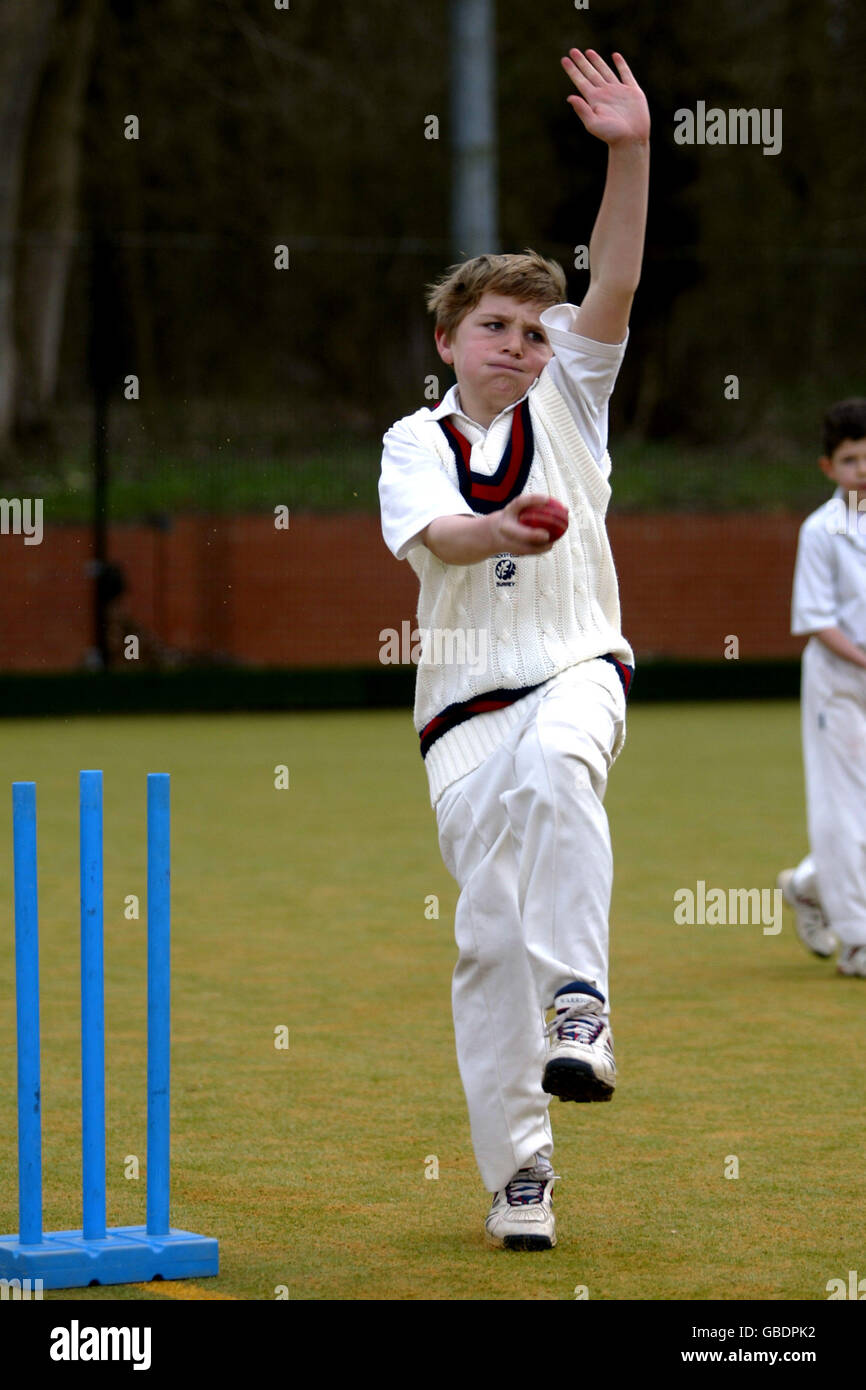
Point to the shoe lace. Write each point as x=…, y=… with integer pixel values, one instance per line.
x=577, y=1027
x=527, y=1187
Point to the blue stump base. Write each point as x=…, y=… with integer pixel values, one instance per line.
x=127, y=1255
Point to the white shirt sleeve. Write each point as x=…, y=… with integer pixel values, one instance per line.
x=584, y=373
x=814, y=602
x=413, y=490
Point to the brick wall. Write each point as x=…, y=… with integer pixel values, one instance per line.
x=320, y=593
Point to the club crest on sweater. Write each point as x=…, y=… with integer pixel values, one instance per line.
x=505, y=571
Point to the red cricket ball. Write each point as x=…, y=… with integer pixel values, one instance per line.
x=552, y=517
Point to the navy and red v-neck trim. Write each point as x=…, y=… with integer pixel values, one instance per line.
x=491, y=492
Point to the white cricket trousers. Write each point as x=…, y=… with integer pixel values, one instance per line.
x=526, y=837
x=833, y=708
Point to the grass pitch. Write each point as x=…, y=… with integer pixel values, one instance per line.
x=339, y=1166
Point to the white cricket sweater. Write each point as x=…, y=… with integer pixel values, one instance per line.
x=516, y=621
x=830, y=572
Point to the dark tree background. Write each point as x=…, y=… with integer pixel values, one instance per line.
x=305, y=127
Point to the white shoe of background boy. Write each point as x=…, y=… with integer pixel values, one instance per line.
x=521, y=1217
x=852, y=960
x=811, y=925
x=580, y=1065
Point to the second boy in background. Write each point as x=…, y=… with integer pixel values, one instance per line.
x=518, y=751
x=828, y=889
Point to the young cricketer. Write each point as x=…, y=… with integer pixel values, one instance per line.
x=518, y=746
x=827, y=890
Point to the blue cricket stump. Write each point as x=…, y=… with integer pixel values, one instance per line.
x=96, y=1254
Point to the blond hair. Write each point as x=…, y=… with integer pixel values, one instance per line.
x=526, y=277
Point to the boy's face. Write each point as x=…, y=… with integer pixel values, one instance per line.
x=496, y=351
x=847, y=466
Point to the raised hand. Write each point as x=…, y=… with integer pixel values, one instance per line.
x=612, y=107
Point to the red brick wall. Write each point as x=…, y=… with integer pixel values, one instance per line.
x=319, y=593
x=686, y=582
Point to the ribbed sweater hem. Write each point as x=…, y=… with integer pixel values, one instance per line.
x=466, y=746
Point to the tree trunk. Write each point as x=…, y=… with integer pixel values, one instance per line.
x=49, y=206
x=25, y=40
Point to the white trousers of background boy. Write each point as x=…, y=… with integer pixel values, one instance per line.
x=526, y=837
x=833, y=709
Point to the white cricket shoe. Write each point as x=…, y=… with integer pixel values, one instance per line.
x=852, y=960
x=811, y=925
x=521, y=1217
x=580, y=1065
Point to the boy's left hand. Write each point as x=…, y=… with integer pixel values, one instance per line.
x=612, y=108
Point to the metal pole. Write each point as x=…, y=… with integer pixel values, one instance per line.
x=100, y=526
x=27, y=1010
x=92, y=1008
x=158, y=1001
x=101, y=376
x=474, y=210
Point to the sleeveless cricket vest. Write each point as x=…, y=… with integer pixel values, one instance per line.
x=493, y=631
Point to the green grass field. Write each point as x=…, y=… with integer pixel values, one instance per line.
x=304, y=909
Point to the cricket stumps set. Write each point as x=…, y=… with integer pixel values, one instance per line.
x=96, y=1254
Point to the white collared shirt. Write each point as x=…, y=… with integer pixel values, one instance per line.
x=830, y=573
x=414, y=490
